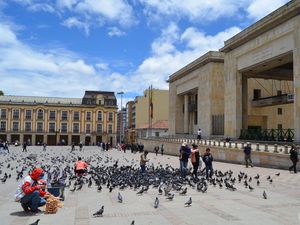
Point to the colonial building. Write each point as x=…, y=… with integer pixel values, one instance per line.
x=52, y=120
x=250, y=89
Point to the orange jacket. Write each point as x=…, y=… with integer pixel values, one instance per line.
x=81, y=165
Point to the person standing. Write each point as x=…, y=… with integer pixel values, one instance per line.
x=156, y=149
x=199, y=134
x=6, y=146
x=44, y=146
x=143, y=161
x=294, y=158
x=162, y=149
x=195, y=159
x=208, y=159
x=184, y=154
x=80, y=146
x=24, y=147
x=73, y=147
x=247, y=151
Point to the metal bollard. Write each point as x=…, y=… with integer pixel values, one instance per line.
x=209, y=142
x=229, y=144
x=219, y=143
x=242, y=145
x=205, y=142
x=235, y=144
x=214, y=143
x=224, y=144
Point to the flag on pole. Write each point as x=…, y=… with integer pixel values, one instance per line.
x=151, y=102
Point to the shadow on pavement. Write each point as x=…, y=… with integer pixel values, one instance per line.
x=23, y=214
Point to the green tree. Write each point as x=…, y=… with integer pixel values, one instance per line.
x=1, y=93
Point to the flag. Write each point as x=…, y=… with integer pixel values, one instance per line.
x=151, y=102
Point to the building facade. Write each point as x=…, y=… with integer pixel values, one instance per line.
x=197, y=97
x=121, y=123
x=250, y=89
x=38, y=120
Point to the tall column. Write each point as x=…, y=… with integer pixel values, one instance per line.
x=186, y=114
x=244, y=102
x=296, y=63
x=233, y=97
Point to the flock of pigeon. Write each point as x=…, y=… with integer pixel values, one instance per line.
x=105, y=172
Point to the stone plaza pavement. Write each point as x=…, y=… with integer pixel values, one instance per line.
x=217, y=206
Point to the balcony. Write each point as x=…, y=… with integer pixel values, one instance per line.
x=273, y=100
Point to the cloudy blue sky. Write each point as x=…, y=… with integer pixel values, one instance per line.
x=63, y=47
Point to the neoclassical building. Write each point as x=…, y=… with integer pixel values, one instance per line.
x=36, y=120
x=249, y=89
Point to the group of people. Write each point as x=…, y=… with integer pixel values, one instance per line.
x=186, y=153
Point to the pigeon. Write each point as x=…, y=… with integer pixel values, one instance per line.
x=170, y=197
x=73, y=188
x=99, y=188
x=99, y=212
x=265, y=195
x=189, y=202
x=132, y=222
x=36, y=222
x=120, y=198
x=251, y=188
x=140, y=191
x=257, y=182
x=156, y=202
x=184, y=191
x=277, y=174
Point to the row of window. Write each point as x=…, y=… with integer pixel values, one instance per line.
x=52, y=127
x=53, y=115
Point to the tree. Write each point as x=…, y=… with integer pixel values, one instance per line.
x=1, y=93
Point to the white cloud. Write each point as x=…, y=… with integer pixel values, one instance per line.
x=74, y=22
x=114, y=31
x=57, y=72
x=260, y=8
x=204, y=10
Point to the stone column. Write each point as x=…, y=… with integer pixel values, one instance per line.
x=233, y=97
x=296, y=63
x=244, y=102
x=186, y=114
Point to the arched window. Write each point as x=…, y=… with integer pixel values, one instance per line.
x=40, y=114
x=100, y=116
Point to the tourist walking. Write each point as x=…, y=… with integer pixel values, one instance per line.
x=184, y=154
x=247, y=151
x=143, y=161
x=294, y=158
x=208, y=159
x=195, y=159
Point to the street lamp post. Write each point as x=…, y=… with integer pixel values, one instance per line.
x=121, y=119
